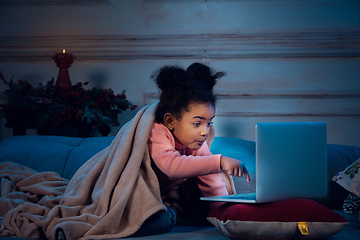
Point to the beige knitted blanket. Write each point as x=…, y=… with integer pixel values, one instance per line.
x=110, y=196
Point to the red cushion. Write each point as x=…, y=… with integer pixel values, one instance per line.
x=297, y=210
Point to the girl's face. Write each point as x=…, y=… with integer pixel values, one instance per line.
x=194, y=126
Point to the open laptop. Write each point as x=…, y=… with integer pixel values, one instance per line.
x=291, y=162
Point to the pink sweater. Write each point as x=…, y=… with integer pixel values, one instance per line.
x=174, y=163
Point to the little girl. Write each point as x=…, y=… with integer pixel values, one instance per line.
x=177, y=141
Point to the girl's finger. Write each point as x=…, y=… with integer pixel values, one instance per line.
x=246, y=174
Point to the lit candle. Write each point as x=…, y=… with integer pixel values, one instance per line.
x=63, y=61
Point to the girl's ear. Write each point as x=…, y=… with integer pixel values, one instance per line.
x=169, y=121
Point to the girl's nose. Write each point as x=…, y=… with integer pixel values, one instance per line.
x=205, y=131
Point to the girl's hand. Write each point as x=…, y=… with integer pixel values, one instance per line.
x=234, y=167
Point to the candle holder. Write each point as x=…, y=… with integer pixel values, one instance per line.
x=63, y=62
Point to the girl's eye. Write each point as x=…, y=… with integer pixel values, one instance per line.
x=197, y=124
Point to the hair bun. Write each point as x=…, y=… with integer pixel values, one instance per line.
x=201, y=73
x=169, y=77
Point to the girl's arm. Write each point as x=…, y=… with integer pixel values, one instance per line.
x=175, y=165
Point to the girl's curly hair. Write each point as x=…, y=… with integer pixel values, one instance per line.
x=180, y=88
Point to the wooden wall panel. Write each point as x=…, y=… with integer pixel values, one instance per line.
x=180, y=46
x=287, y=60
x=237, y=113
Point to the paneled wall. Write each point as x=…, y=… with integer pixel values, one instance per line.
x=294, y=60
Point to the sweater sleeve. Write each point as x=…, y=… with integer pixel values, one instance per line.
x=211, y=184
x=175, y=165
